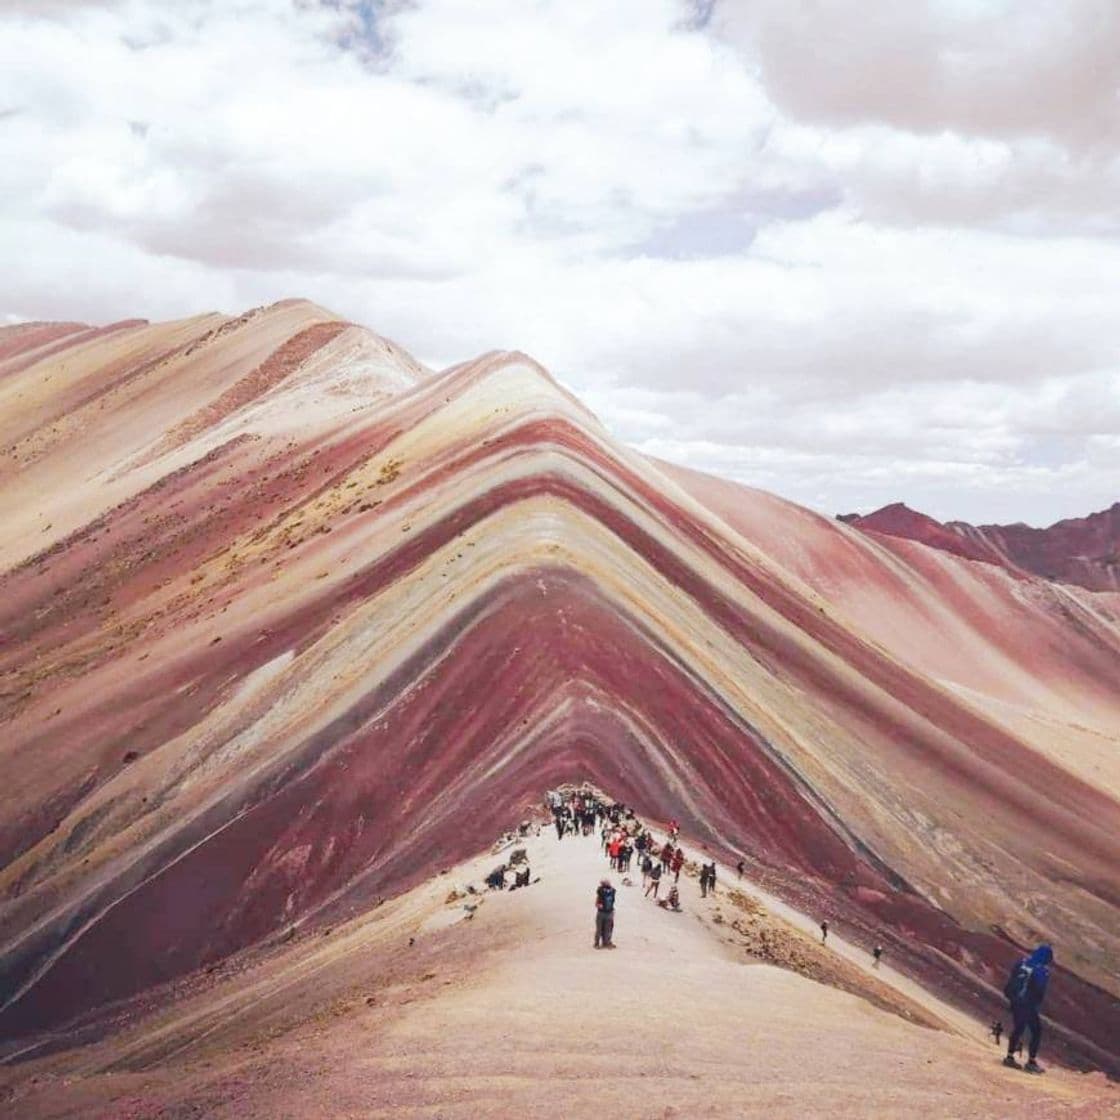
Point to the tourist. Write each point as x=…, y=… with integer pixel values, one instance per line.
x=677, y=864
x=654, y=880
x=673, y=902
x=824, y=931
x=1025, y=991
x=604, y=915
x=877, y=953
x=740, y=867
x=647, y=866
x=666, y=855
x=997, y=1030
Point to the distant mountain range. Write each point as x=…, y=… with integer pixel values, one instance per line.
x=1081, y=550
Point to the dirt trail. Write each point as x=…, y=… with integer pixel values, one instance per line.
x=510, y=1012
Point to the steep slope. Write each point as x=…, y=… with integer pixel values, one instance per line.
x=291, y=622
x=1037, y=656
x=1083, y=550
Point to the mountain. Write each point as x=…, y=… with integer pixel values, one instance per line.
x=292, y=623
x=1083, y=550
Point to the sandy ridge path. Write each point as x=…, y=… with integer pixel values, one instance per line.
x=673, y=1023
x=513, y=1014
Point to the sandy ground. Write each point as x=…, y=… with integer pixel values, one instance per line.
x=512, y=1013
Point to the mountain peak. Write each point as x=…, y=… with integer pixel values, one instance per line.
x=292, y=625
x=1081, y=551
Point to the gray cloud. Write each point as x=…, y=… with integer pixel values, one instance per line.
x=1008, y=69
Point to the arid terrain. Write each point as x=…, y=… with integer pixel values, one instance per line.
x=444, y=1003
x=291, y=625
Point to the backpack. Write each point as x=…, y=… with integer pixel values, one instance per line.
x=1019, y=982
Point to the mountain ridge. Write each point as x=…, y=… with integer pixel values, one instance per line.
x=349, y=624
x=1080, y=550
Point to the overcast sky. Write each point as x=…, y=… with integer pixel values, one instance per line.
x=851, y=252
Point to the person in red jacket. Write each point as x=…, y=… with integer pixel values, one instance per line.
x=677, y=864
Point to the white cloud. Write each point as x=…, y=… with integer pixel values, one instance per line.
x=853, y=258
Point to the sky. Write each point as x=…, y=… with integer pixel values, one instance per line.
x=850, y=252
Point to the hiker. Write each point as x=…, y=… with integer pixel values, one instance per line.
x=674, y=830
x=647, y=866
x=740, y=867
x=997, y=1029
x=673, y=902
x=824, y=931
x=624, y=855
x=1025, y=990
x=677, y=864
x=666, y=856
x=707, y=879
x=496, y=880
x=613, y=849
x=877, y=953
x=654, y=880
x=604, y=915
x=559, y=825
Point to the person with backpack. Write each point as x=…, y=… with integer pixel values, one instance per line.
x=604, y=915
x=654, y=884
x=1025, y=990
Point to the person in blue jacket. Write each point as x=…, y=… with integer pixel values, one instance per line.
x=1025, y=991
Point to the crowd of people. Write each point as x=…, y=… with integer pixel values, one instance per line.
x=629, y=847
x=625, y=839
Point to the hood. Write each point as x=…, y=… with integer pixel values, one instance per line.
x=1043, y=955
